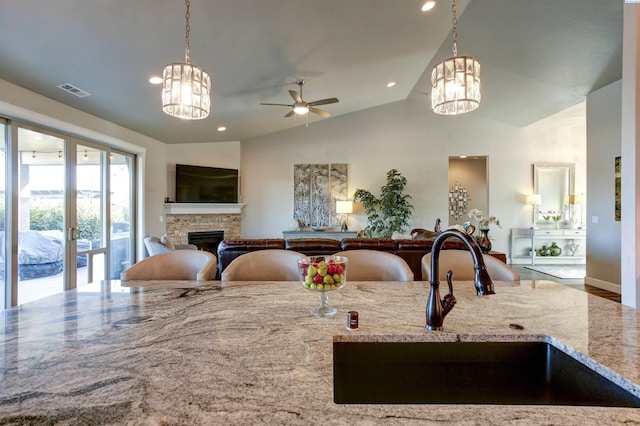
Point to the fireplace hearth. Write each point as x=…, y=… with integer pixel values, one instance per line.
x=206, y=240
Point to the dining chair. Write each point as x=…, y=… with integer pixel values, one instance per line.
x=264, y=265
x=174, y=265
x=375, y=265
x=461, y=263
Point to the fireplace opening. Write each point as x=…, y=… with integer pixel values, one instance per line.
x=206, y=240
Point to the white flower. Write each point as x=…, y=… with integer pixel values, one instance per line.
x=483, y=221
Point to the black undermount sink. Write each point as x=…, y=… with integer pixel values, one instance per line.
x=519, y=373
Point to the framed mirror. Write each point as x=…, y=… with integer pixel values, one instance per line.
x=554, y=182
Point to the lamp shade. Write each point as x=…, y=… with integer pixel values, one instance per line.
x=344, y=207
x=534, y=199
x=575, y=199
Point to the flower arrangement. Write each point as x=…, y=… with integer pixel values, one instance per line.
x=553, y=215
x=483, y=221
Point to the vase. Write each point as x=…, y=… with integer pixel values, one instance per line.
x=554, y=250
x=556, y=224
x=483, y=241
x=543, y=251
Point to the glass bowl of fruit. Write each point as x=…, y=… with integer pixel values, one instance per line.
x=323, y=274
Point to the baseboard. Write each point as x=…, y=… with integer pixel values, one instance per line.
x=604, y=285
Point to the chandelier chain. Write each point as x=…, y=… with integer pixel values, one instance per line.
x=187, y=53
x=455, y=29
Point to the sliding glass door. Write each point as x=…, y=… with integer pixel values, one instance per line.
x=74, y=214
x=41, y=214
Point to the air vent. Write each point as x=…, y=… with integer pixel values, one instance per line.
x=70, y=88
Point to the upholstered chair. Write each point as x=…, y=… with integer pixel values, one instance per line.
x=461, y=263
x=174, y=265
x=155, y=245
x=375, y=265
x=264, y=265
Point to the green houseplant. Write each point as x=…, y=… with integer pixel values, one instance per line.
x=390, y=212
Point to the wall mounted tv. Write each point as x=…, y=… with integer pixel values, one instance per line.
x=197, y=184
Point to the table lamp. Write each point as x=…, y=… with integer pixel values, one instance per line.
x=344, y=208
x=534, y=200
x=576, y=200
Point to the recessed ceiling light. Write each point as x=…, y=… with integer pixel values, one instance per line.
x=428, y=5
x=463, y=156
x=222, y=129
x=391, y=84
x=155, y=80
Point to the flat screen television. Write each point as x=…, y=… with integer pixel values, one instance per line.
x=197, y=184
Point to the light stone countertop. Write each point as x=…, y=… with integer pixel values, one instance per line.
x=251, y=353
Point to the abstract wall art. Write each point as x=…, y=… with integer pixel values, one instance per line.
x=316, y=188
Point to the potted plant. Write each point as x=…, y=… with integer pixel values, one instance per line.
x=390, y=212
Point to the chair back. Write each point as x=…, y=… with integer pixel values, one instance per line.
x=264, y=265
x=461, y=263
x=174, y=265
x=375, y=265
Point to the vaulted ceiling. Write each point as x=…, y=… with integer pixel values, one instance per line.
x=538, y=57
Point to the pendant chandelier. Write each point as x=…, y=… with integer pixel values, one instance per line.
x=455, y=82
x=186, y=87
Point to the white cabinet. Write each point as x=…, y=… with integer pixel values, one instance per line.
x=525, y=243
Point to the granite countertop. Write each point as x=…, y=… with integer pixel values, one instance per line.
x=251, y=353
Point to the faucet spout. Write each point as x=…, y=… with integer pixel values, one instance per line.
x=437, y=309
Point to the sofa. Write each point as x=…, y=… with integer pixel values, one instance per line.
x=411, y=250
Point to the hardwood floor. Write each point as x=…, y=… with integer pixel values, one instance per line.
x=578, y=284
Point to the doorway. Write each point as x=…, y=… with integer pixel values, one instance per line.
x=468, y=187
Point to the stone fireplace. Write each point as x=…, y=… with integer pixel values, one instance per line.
x=206, y=240
x=183, y=218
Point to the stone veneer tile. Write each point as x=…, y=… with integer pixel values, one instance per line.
x=179, y=225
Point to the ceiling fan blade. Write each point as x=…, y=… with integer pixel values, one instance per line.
x=324, y=101
x=320, y=112
x=296, y=96
x=290, y=106
x=289, y=114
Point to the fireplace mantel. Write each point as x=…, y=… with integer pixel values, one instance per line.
x=203, y=208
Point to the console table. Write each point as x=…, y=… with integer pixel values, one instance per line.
x=526, y=241
x=334, y=235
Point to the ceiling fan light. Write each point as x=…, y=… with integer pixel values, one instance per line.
x=186, y=91
x=301, y=109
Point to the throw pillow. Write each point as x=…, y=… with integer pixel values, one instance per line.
x=398, y=236
x=167, y=242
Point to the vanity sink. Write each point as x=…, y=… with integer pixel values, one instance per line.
x=520, y=373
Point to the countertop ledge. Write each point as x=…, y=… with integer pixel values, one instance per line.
x=251, y=352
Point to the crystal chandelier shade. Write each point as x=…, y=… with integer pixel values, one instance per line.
x=455, y=86
x=186, y=91
x=455, y=82
x=186, y=88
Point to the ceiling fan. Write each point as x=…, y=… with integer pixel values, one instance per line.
x=301, y=107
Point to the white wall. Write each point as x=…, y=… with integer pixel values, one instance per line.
x=407, y=136
x=404, y=135
x=19, y=103
x=604, y=144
